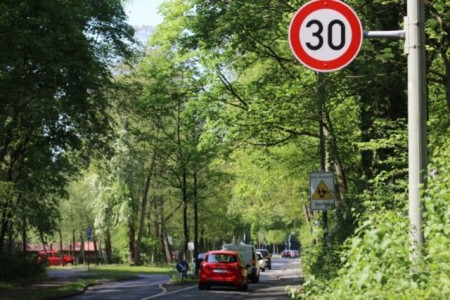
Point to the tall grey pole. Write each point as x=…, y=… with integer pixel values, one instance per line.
x=417, y=116
x=323, y=167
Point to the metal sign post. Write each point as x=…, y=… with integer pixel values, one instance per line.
x=313, y=42
x=417, y=116
x=414, y=34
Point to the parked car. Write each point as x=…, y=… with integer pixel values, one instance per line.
x=54, y=258
x=294, y=253
x=223, y=267
x=261, y=261
x=286, y=253
x=267, y=257
x=248, y=252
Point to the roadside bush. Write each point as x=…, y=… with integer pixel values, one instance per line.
x=377, y=262
x=437, y=229
x=19, y=266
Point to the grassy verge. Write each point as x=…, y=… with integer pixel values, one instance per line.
x=46, y=288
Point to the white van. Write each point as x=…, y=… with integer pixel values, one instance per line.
x=248, y=252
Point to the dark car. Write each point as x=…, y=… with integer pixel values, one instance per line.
x=267, y=257
x=223, y=267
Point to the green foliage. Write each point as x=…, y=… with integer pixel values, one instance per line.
x=276, y=237
x=436, y=229
x=20, y=266
x=220, y=96
x=376, y=261
x=53, y=116
x=262, y=197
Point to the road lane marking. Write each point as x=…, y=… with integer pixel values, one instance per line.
x=164, y=292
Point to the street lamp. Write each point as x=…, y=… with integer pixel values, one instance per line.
x=290, y=240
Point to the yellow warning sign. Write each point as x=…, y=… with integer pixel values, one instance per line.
x=322, y=192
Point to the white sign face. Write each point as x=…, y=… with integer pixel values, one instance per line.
x=328, y=38
x=322, y=194
x=191, y=246
x=325, y=35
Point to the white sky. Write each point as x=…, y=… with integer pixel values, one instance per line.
x=143, y=12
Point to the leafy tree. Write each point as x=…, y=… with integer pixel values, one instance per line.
x=51, y=97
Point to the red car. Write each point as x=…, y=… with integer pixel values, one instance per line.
x=223, y=267
x=53, y=258
x=294, y=253
x=285, y=253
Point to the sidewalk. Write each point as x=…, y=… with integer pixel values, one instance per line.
x=291, y=277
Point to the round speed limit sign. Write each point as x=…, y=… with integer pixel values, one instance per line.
x=325, y=35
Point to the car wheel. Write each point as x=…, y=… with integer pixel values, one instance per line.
x=244, y=287
x=208, y=286
x=263, y=269
x=201, y=287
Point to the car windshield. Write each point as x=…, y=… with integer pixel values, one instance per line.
x=221, y=258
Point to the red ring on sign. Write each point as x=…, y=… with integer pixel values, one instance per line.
x=325, y=65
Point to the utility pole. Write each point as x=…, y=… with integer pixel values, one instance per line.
x=322, y=97
x=414, y=34
x=417, y=116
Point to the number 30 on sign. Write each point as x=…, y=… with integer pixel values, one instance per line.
x=325, y=35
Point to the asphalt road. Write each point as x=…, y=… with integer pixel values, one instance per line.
x=272, y=285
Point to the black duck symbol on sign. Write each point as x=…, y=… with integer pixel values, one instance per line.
x=322, y=192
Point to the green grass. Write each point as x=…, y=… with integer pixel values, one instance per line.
x=119, y=272
x=95, y=275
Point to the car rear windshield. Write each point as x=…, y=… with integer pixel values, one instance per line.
x=263, y=252
x=221, y=258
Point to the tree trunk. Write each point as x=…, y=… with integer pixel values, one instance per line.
x=61, y=246
x=167, y=248
x=94, y=241
x=185, y=216
x=73, y=243
x=5, y=223
x=24, y=235
x=144, y=203
x=82, y=252
x=138, y=245
x=41, y=238
x=160, y=230
x=196, y=223
x=131, y=242
x=108, y=248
